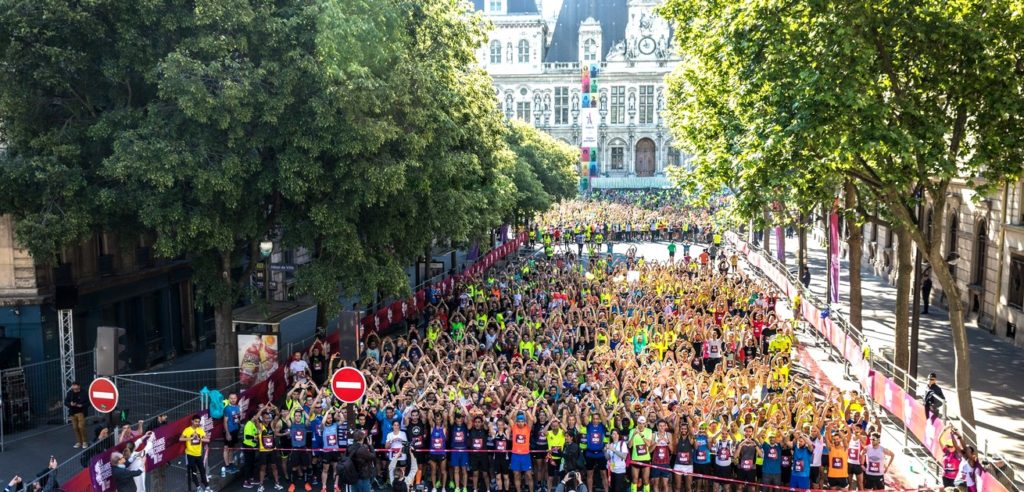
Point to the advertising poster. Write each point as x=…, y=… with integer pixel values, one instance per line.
x=257, y=356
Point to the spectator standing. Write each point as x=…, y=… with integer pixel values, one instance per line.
x=926, y=291
x=124, y=479
x=364, y=460
x=933, y=398
x=76, y=402
x=805, y=276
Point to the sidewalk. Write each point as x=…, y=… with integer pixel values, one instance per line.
x=997, y=388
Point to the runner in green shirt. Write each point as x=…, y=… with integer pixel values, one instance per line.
x=641, y=441
x=672, y=251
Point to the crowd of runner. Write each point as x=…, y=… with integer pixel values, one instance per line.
x=570, y=369
x=563, y=371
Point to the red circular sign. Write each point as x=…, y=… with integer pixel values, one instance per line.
x=103, y=395
x=348, y=384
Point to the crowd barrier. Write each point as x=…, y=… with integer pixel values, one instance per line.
x=165, y=447
x=885, y=391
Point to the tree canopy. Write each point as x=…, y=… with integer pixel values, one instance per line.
x=901, y=96
x=361, y=130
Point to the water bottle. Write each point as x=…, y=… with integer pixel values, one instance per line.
x=223, y=472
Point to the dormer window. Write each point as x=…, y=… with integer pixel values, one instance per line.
x=589, y=50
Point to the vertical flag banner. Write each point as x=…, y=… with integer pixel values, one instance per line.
x=833, y=226
x=590, y=121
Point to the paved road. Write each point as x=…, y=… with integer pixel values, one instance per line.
x=998, y=389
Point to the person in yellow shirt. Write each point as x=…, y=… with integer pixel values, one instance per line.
x=194, y=438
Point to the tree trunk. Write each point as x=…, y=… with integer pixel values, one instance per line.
x=227, y=344
x=961, y=351
x=940, y=269
x=767, y=235
x=855, y=245
x=904, y=276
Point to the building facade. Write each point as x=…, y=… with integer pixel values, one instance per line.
x=118, y=282
x=536, y=67
x=986, y=233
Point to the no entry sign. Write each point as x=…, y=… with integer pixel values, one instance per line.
x=348, y=384
x=103, y=395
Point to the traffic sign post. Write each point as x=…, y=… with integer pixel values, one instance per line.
x=348, y=384
x=103, y=395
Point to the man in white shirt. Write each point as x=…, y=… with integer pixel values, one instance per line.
x=298, y=368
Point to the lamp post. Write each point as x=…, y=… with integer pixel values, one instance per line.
x=266, y=251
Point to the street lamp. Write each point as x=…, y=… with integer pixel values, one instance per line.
x=266, y=250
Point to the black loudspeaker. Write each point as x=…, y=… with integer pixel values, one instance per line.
x=66, y=297
x=349, y=336
x=110, y=356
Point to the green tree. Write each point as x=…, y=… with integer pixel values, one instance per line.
x=903, y=97
x=544, y=172
x=358, y=129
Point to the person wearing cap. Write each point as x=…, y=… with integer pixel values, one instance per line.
x=520, y=464
x=933, y=398
x=194, y=438
x=640, y=441
x=556, y=445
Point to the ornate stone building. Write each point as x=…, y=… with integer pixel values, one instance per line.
x=536, y=65
x=987, y=235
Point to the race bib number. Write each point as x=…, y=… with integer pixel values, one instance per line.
x=478, y=443
x=641, y=449
x=785, y=461
x=747, y=464
x=683, y=458
x=500, y=445
x=702, y=455
x=520, y=439
x=875, y=468
x=950, y=468
x=661, y=454
x=437, y=443
x=798, y=466
x=713, y=349
x=854, y=454
x=837, y=463
x=268, y=442
x=773, y=454
x=595, y=438
x=723, y=454
x=332, y=440
x=460, y=436
x=317, y=366
x=300, y=436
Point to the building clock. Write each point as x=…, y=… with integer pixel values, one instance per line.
x=647, y=45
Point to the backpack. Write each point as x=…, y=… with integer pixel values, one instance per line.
x=216, y=405
x=347, y=472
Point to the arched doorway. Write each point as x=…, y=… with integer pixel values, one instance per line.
x=645, y=157
x=977, y=286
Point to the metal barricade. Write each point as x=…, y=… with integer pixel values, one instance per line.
x=31, y=405
x=886, y=366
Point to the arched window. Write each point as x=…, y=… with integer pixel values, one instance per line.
x=495, y=52
x=524, y=51
x=589, y=50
